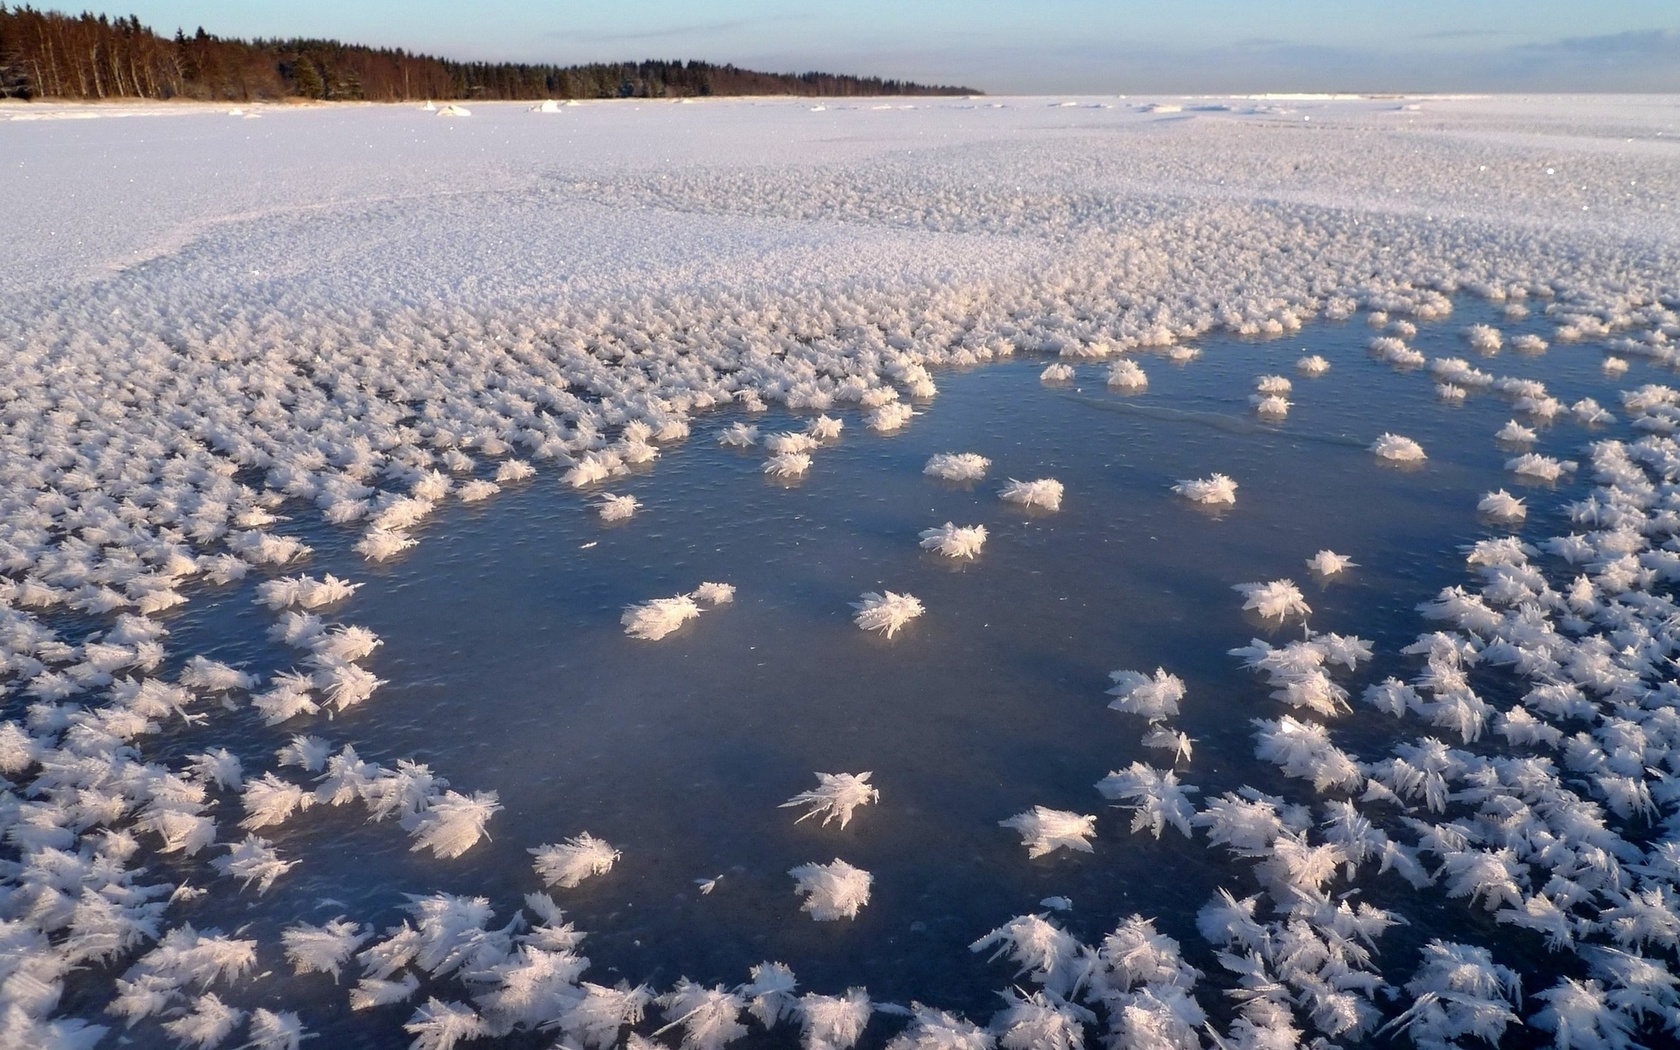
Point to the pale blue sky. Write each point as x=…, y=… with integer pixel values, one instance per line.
x=1095, y=46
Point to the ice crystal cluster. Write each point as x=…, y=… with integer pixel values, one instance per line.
x=198, y=357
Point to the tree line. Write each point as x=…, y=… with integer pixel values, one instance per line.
x=47, y=54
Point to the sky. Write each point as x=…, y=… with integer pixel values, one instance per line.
x=1025, y=46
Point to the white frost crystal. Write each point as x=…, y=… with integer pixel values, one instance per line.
x=569, y=863
x=1045, y=492
x=885, y=612
x=832, y=891
x=835, y=796
x=1398, y=449
x=957, y=466
x=1213, y=490
x=1046, y=830
x=955, y=541
x=653, y=620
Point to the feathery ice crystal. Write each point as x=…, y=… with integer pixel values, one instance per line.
x=616, y=508
x=738, y=435
x=1397, y=449
x=832, y=891
x=1539, y=468
x=655, y=619
x=1155, y=797
x=1329, y=563
x=957, y=466
x=788, y=464
x=890, y=417
x=1046, y=830
x=452, y=823
x=1155, y=698
x=885, y=612
x=1213, y=490
x=1045, y=492
x=715, y=593
x=1276, y=600
x=954, y=541
x=569, y=863
x=1484, y=338
x=1501, y=506
x=835, y=796
x=1127, y=376
x=1515, y=433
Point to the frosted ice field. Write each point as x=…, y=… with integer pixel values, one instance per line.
x=238, y=350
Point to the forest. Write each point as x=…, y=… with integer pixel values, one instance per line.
x=45, y=54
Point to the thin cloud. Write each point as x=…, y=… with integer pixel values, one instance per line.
x=695, y=29
x=1643, y=60
x=1635, y=62
x=1461, y=34
x=1462, y=60
x=1259, y=43
x=1655, y=43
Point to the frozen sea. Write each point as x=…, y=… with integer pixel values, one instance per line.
x=426, y=263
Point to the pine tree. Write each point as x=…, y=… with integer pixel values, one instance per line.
x=308, y=79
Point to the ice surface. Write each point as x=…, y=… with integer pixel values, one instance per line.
x=245, y=393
